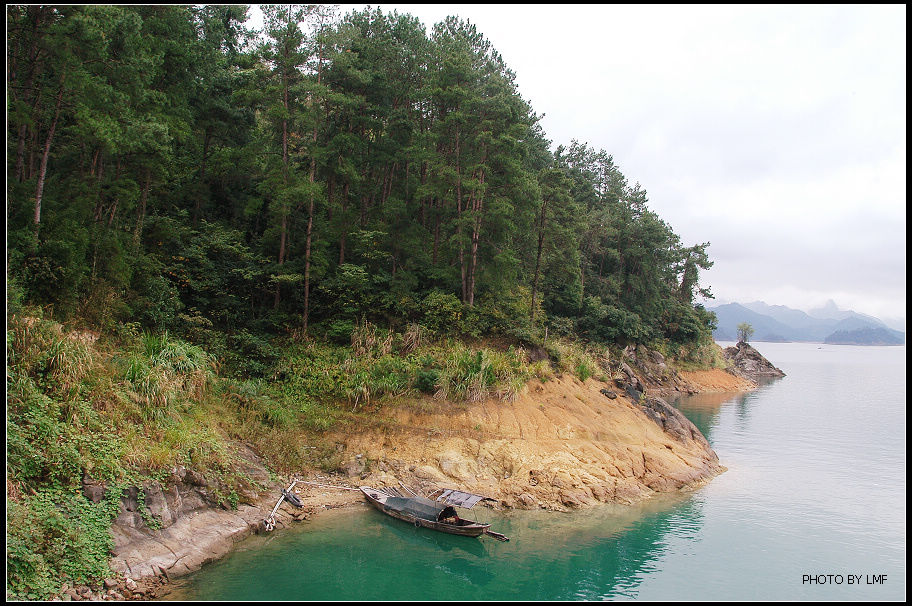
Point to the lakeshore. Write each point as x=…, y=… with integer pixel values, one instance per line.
x=562, y=445
x=798, y=498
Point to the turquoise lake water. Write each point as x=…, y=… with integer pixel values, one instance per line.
x=815, y=486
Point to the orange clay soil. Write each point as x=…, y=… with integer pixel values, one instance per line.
x=559, y=444
x=716, y=379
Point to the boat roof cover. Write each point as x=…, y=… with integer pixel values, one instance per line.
x=419, y=507
x=458, y=498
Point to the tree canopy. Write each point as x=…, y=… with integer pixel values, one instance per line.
x=169, y=167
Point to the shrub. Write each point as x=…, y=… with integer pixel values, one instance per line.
x=340, y=331
x=166, y=373
x=571, y=357
x=15, y=296
x=506, y=313
x=368, y=340
x=441, y=312
x=426, y=380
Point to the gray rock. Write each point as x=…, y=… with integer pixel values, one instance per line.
x=527, y=500
x=129, y=500
x=747, y=362
x=195, y=478
x=185, y=545
x=157, y=504
x=93, y=490
x=353, y=468
x=672, y=420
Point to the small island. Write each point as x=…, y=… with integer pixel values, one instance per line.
x=866, y=336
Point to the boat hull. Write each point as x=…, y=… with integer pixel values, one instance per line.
x=378, y=498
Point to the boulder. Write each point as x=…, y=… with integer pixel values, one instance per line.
x=746, y=362
x=93, y=490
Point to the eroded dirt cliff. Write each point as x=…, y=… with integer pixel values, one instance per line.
x=560, y=444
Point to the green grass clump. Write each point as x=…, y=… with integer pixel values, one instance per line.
x=476, y=374
x=579, y=360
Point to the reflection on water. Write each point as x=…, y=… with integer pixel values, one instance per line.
x=815, y=484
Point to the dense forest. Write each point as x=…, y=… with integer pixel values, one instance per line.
x=217, y=235
x=168, y=167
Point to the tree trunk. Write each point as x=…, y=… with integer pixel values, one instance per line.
x=141, y=209
x=478, y=209
x=284, y=208
x=310, y=213
x=436, y=204
x=462, y=265
x=344, y=235
x=99, y=201
x=541, y=242
x=198, y=208
x=35, y=68
x=113, y=210
x=42, y=172
x=310, y=210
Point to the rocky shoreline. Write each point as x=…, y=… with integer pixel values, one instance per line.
x=563, y=445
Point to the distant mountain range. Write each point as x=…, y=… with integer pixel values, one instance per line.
x=827, y=324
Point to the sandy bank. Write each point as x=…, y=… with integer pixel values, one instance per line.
x=716, y=380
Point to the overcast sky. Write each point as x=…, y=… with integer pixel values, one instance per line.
x=776, y=133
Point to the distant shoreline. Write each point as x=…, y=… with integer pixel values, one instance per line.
x=724, y=341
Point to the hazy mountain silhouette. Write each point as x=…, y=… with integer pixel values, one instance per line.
x=781, y=323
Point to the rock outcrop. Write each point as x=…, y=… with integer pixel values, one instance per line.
x=747, y=362
x=174, y=526
x=646, y=370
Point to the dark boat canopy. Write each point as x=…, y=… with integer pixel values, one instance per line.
x=419, y=507
x=458, y=498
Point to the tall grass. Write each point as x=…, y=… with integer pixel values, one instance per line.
x=40, y=349
x=477, y=374
x=165, y=373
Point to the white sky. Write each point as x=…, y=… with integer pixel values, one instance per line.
x=777, y=133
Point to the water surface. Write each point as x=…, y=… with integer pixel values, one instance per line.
x=815, y=486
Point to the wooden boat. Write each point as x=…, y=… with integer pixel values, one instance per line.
x=437, y=514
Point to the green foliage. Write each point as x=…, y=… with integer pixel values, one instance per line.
x=745, y=332
x=54, y=535
x=576, y=359
x=165, y=374
x=195, y=186
x=441, y=312
x=15, y=296
x=505, y=313
x=610, y=323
